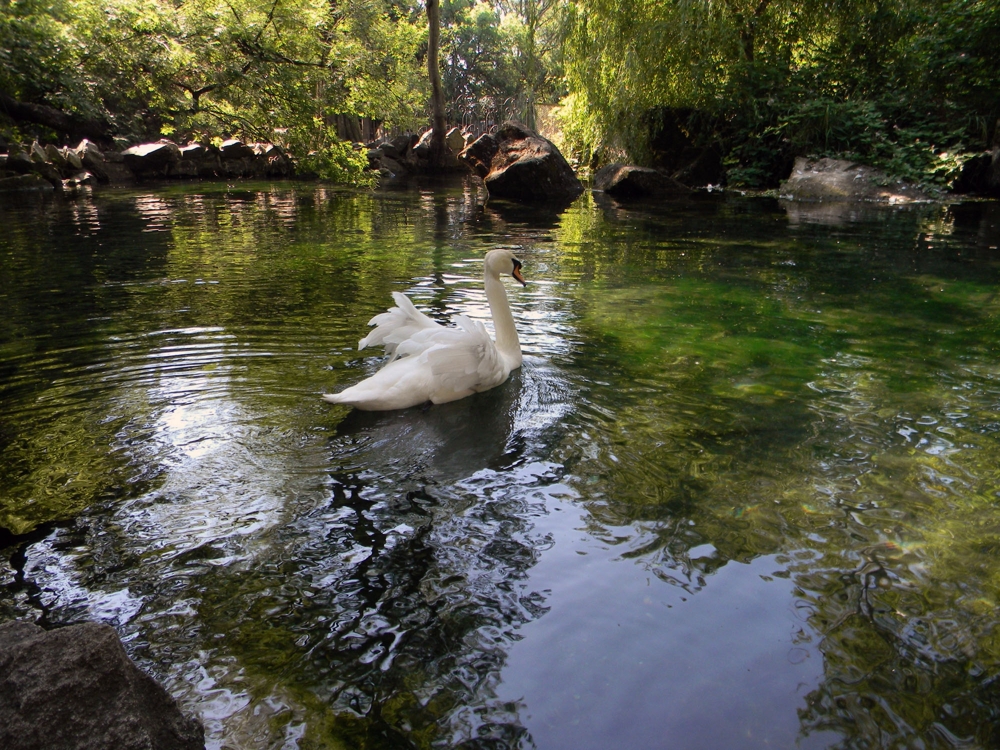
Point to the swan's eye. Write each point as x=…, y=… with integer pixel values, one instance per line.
x=517, y=263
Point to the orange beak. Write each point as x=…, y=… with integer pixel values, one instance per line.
x=517, y=275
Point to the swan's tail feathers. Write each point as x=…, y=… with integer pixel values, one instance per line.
x=396, y=325
x=333, y=398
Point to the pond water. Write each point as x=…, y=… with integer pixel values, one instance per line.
x=744, y=492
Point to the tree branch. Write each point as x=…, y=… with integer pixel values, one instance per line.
x=41, y=114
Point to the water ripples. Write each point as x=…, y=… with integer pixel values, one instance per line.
x=686, y=422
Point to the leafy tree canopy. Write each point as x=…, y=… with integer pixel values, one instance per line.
x=895, y=83
x=909, y=85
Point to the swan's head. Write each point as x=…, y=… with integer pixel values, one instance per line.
x=502, y=262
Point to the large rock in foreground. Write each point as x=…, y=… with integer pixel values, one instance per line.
x=627, y=181
x=836, y=179
x=519, y=164
x=75, y=688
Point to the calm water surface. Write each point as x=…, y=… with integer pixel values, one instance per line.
x=744, y=493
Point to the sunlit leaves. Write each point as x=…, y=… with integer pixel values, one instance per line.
x=874, y=80
x=205, y=67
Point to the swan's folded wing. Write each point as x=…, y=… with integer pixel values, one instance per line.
x=462, y=360
x=397, y=325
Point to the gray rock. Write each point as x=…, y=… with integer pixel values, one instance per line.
x=19, y=161
x=90, y=155
x=154, y=159
x=72, y=159
x=394, y=168
x=455, y=140
x=519, y=164
x=422, y=149
x=397, y=147
x=836, y=179
x=627, y=181
x=236, y=149
x=277, y=163
x=54, y=157
x=38, y=154
x=75, y=688
x=479, y=154
x=196, y=161
x=49, y=172
x=419, y=155
x=192, y=151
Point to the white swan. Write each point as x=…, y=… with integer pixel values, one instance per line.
x=431, y=362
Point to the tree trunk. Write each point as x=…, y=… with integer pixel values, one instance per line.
x=438, y=124
x=50, y=117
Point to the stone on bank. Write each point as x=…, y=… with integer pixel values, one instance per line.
x=75, y=688
x=836, y=179
x=519, y=164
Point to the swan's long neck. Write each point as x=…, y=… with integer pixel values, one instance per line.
x=503, y=321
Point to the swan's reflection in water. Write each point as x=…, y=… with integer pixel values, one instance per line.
x=417, y=567
x=433, y=444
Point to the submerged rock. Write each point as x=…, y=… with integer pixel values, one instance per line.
x=519, y=164
x=78, y=180
x=626, y=181
x=75, y=688
x=837, y=179
x=25, y=182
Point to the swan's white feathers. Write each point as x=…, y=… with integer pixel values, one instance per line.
x=432, y=362
x=463, y=359
x=396, y=325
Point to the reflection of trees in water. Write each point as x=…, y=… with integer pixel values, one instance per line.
x=420, y=625
x=836, y=409
x=903, y=667
x=376, y=607
x=423, y=557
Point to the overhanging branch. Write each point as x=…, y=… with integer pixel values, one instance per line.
x=42, y=114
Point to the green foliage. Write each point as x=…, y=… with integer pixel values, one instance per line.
x=338, y=161
x=477, y=63
x=501, y=58
x=905, y=85
x=208, y=67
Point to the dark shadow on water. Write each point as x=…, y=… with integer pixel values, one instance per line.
x=538, y=216
x=434, y=443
